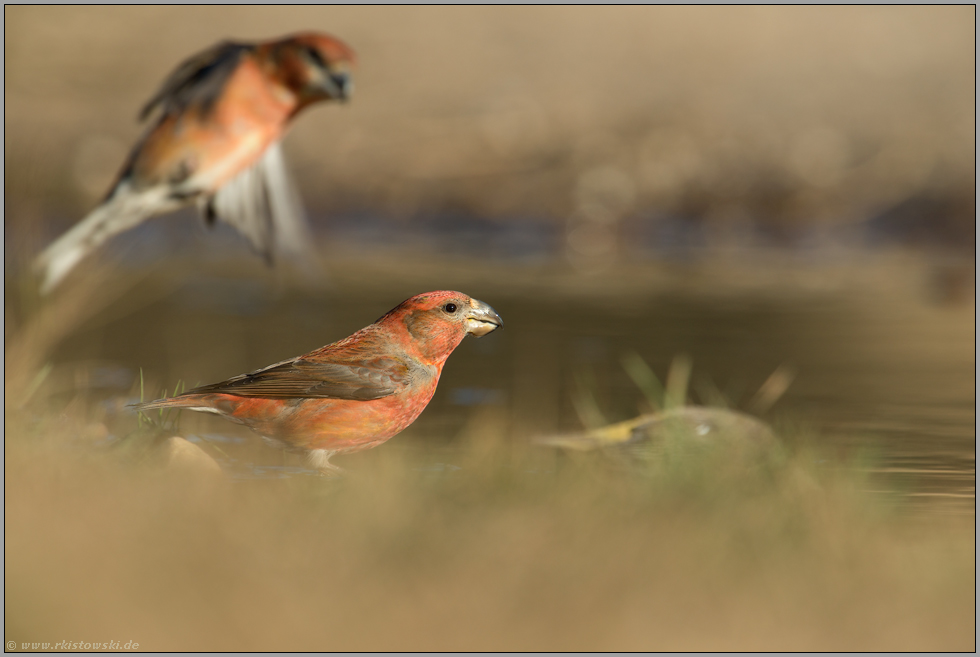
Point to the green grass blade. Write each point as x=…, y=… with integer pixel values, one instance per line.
x=644, y=378
x=677, y=381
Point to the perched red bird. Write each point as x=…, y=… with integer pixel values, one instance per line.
x=216, y=143
x=353, y=394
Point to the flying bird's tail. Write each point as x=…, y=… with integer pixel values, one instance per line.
x=120, y=212
x=261, y=202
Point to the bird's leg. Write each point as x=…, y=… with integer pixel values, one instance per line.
x=205, y=205
x=320, y=459
x=331, y=470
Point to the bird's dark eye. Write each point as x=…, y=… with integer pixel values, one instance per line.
x=450, y=308
x=315, y=55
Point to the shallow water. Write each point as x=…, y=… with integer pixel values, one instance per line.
x=884, y=372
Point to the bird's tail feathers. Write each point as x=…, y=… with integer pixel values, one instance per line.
x=120, y=212
x=190, y=402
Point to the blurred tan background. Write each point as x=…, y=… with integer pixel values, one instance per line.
x=749, y=123
x=750, y=191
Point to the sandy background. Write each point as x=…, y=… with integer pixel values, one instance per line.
x=730, y=118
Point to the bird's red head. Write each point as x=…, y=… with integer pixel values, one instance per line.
x=433, y=324
x=333, y=50
x=315, y=66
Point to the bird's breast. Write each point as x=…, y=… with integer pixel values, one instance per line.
x=334, y=424
x=209, y=148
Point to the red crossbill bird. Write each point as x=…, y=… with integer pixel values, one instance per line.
x=215, y=143
x=355, y=393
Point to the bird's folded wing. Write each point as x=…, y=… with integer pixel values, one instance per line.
x=199, y=80
x=304, y=378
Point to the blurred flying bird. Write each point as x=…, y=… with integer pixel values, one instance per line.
x=215, y=143
x=353, y=394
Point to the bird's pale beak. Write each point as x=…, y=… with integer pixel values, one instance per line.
x=338, y=86
x=482, y=319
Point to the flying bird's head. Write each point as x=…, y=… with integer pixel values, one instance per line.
x=316, y=66
x=434, y=323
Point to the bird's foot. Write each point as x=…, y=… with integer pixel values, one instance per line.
x=320, y=459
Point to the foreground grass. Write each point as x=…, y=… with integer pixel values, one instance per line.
x=511, y=549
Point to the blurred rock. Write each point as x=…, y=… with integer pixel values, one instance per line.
x=703, y=425
x=697, y=425
x=180, y=455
